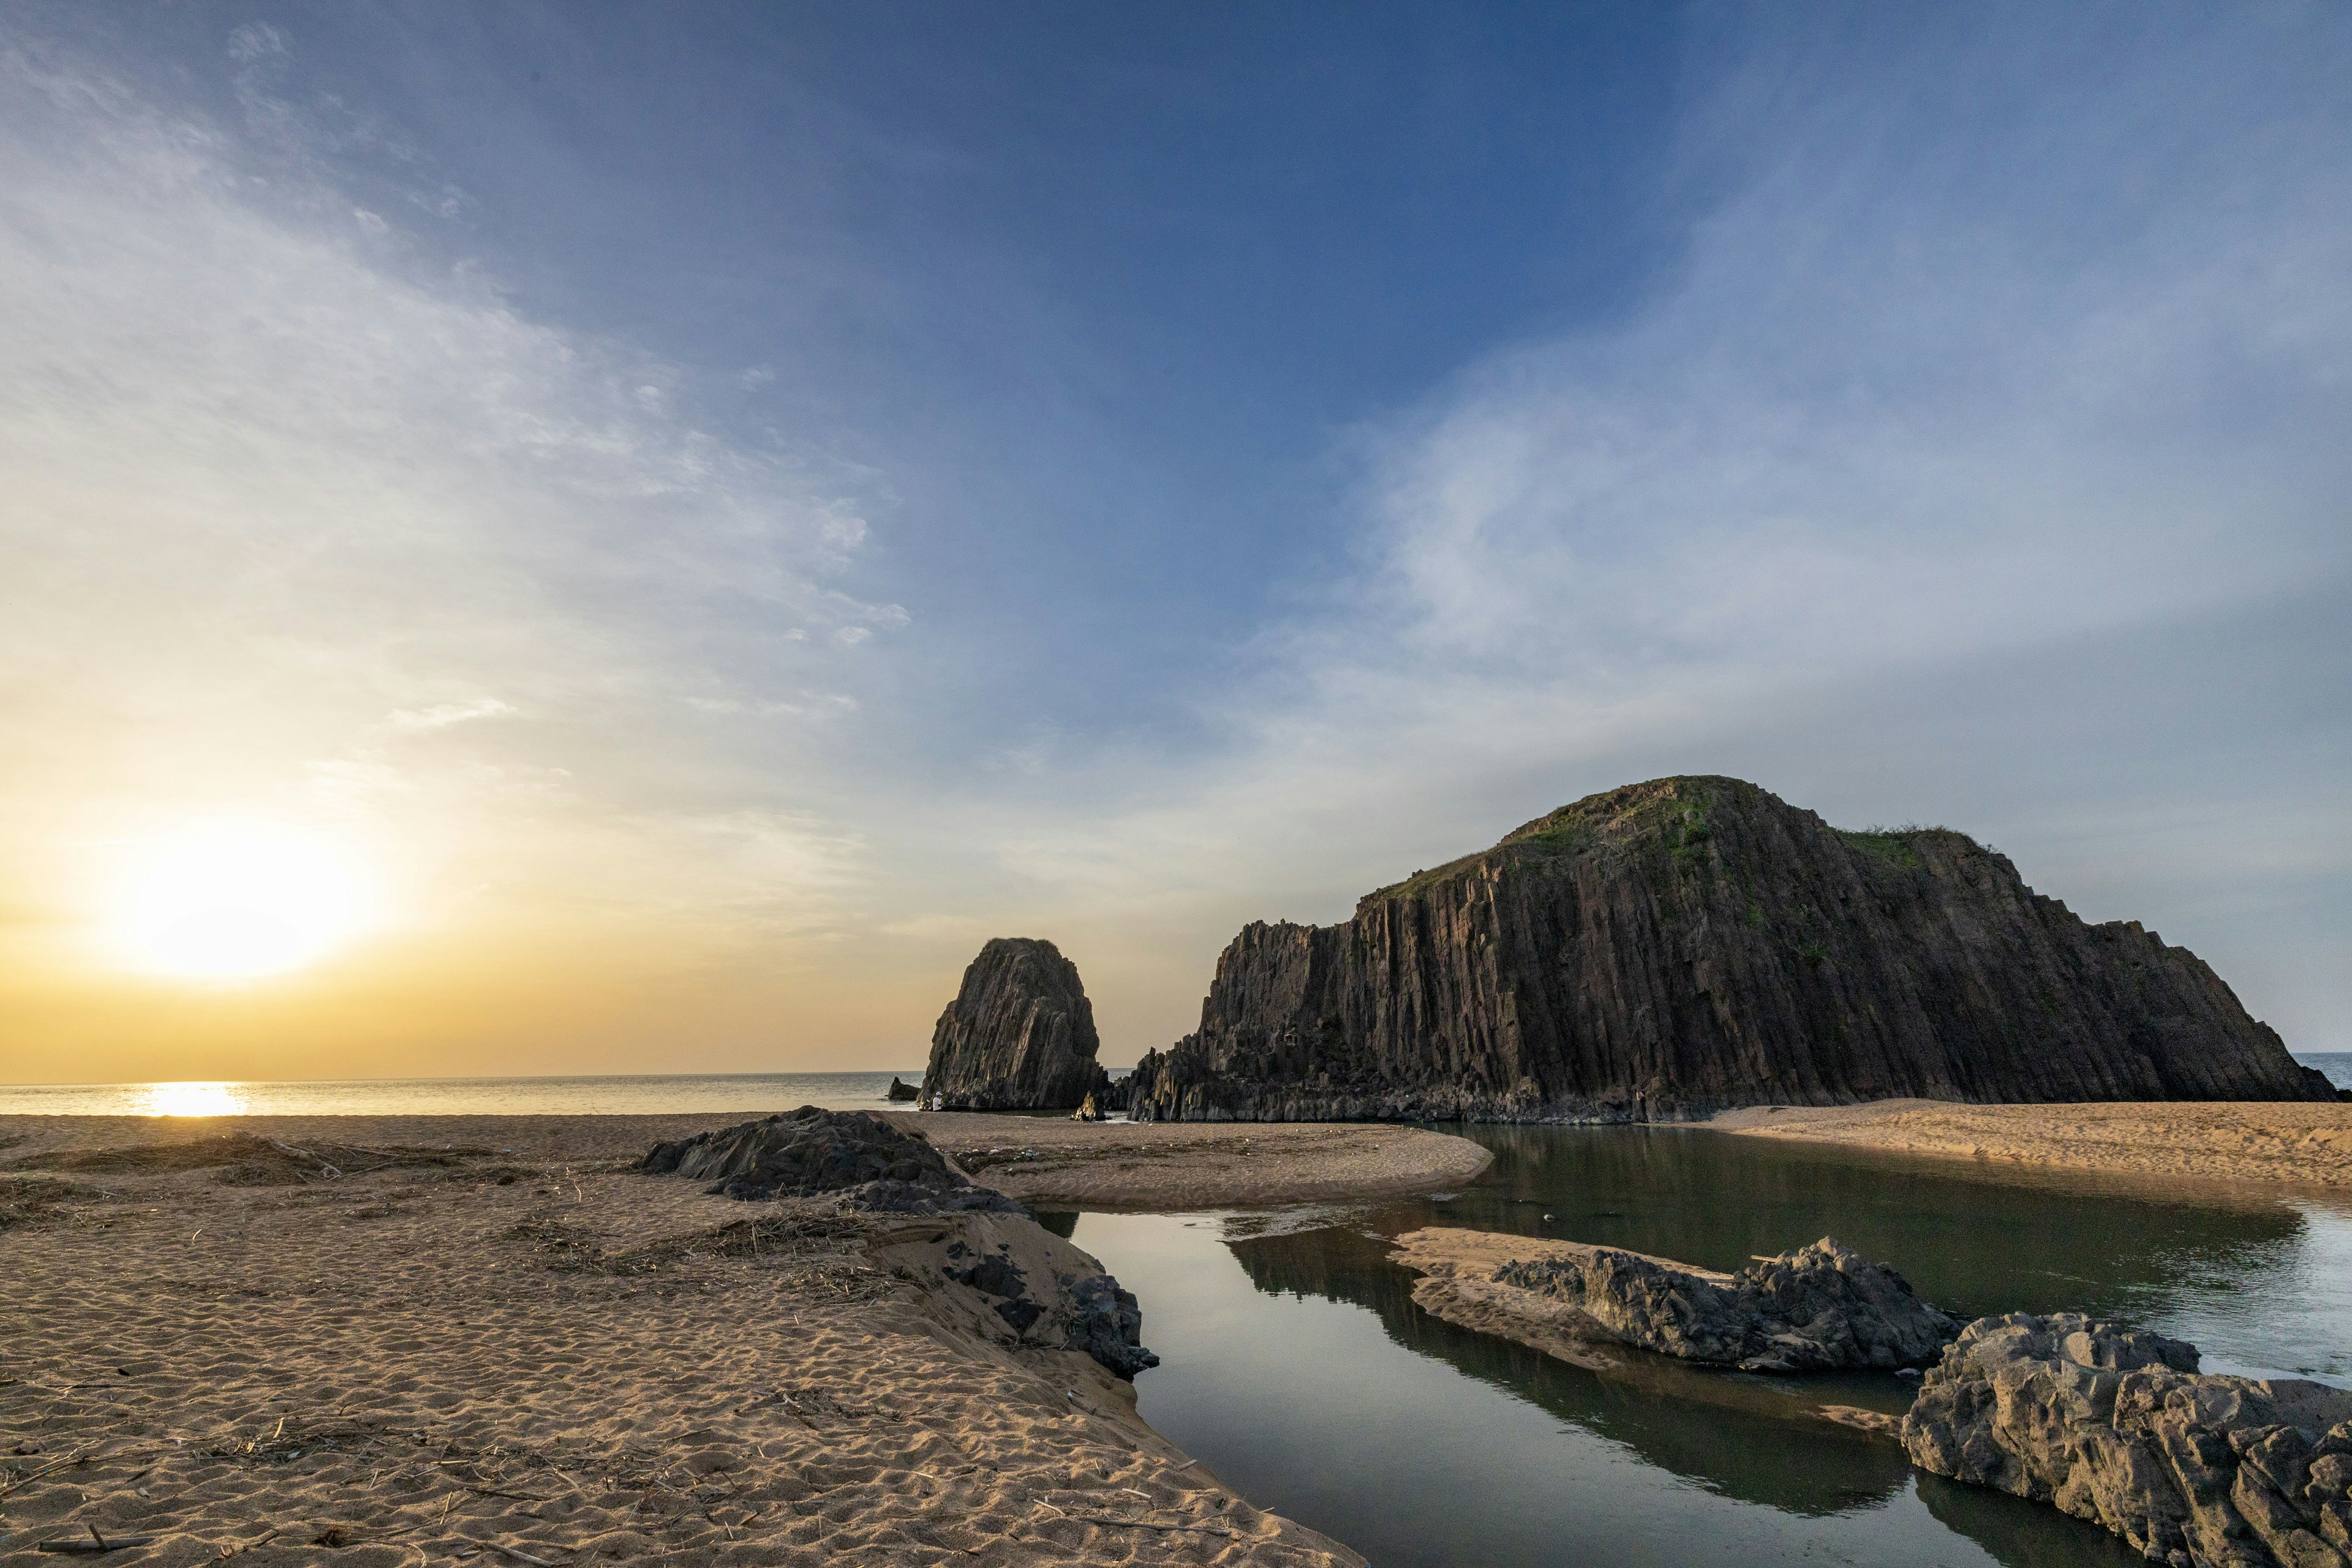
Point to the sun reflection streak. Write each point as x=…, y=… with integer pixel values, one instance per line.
x=192, y=1099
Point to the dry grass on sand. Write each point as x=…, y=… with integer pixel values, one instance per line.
x=486, y=1341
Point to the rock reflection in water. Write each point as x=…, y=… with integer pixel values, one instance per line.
x=1296, y=1368
x=2261, y=1285
x=1728, y=1431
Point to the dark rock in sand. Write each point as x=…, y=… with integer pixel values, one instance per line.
x=2196, y=1470
x=901, y=1093
x=1098, y=1315
x=1046, y=1293
x=1819, y=1308
x=1669, y=948
x=1020, y=1035
x=856, y=1153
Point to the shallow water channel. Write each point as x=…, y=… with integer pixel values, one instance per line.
x=1295, y=1366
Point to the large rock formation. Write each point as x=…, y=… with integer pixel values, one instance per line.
x=1020, y=1035
x=2195, y=1471
x=1672, y=948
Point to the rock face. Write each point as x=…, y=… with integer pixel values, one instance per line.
x=1669, y=949
x=1020, y=1035
x=2197, y=1471
x=1819, y=1308
x=856, y=1153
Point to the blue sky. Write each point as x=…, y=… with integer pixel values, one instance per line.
x=742, y=502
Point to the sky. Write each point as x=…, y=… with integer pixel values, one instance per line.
x=696, y=516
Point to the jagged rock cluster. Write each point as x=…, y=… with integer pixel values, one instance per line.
x=2194, y=1470
x=1820, y=1307
x=1020, y=1035
x=1100, y=1316
x=1038, y=1288
x=871, y=1163
x=1672, y=948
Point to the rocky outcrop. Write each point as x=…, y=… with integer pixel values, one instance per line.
x=856, y=1153
x=1020, y=1035
x=901, y=1093
x=1020, y=1282
x=2194, y=1470
x=1673, y=948
x=1819, y=1308
x=1813, y=1309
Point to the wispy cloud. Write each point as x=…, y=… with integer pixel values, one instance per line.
x=273, y=476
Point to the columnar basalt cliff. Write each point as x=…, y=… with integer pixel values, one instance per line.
x=1669, y=948
x=1020, y=1035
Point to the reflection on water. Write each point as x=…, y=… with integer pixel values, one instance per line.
x=2262, y=1286
x=191, y=1100
x=719, y=1093
x=1326, y=1396
x=1294, y=1366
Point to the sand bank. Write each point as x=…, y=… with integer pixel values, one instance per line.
x=1196, y=1164
x=518, y=1351
x=2299, y=1144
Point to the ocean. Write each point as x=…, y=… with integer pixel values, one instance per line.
x=727, y=1093
x=619, y=1094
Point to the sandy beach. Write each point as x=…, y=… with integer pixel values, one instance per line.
x=1197, y=1164
x=2293, y=1143
x=487, y=1339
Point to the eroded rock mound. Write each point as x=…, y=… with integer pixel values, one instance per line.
x=870, y=1162
x=1083, y=1309
x=1673, y=948
x=2193, y=1470
x=1020, y=1035
x=1820, y=1307
x=989, y=1260
x=901, y=1093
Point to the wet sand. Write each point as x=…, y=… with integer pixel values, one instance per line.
x=1196, y=1164
x=2287, y=1142
x=487, y=1341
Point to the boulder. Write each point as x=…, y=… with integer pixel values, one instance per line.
x=1020, y=1035
x=2196, y=1470
x=858, y=1154
x=1819, y=1308
x=901, y=1093
x=1669, y=949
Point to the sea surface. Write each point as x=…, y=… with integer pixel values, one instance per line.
x=2337, y=1065
x=720, y=1093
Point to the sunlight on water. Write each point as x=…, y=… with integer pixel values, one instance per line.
x=191, y=1100
x=718, y=1094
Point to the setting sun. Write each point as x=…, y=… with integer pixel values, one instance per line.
x=239, y=902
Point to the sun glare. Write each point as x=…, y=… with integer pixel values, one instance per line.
x=240, y=902
x=192, y=1100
